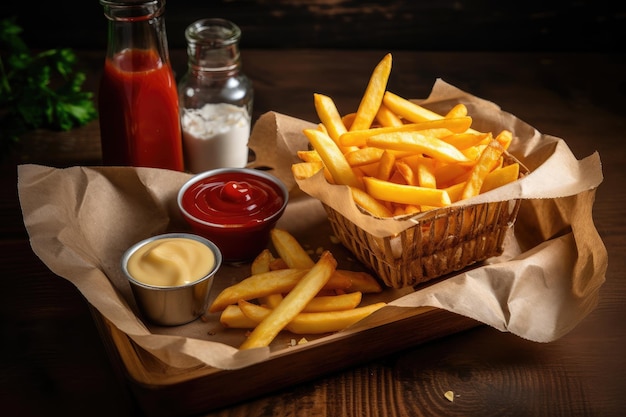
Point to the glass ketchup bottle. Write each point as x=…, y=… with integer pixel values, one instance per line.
x=138, y=97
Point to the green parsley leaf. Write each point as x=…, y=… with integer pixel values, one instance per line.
x=39, y=90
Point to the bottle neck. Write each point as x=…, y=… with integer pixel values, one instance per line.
x=136, y=25
x=206, y=58
x=213, y=46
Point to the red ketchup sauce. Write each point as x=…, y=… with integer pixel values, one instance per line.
x=139, y=119
x=233, y=200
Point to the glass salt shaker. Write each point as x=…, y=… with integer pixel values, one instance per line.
x=138, y=98
x=215, y=98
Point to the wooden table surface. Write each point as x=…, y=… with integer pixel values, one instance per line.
x=53, y=361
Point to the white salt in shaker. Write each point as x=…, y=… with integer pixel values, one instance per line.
x=215, y=98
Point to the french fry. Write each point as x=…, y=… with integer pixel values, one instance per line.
x=233, y=318
x=359, y=137
x=486, y=162
x=329, y=116
x=313, y=323
x=407, y=172
x=505, y=138
x=369, y=204
x=361, y=281
x=290, y=250
x=309, y=156
x=340, y=302
x=418, y=143
x=459, y=110
x=279, y=281
x=464, y=140
x=302, y=170
x=387, y=118
x=333, y=158
x=385, y=165
x=407, y=109
x=406, y=194
x=293, y=303
x=425, y=169
x=364, y=156
x=373, y=96
x=261, y=263
x=500, y=176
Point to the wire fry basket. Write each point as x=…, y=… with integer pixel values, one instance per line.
x=447, y=240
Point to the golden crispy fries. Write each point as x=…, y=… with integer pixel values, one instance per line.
x=293, y=303
x=418, y=143
x=303, y=170
x=465, y=140
x=369, y=203
x=455, y=192
x=407, y=109
x=272, y=282
x=385, y=165
x=334, y=302
x=486, y=163
x=364, y=156
x=359, y=137
x=387, y=118
x=333, y=158
x=233, y=318
x=290, y=250
x=406, y=194
x=407, y=173
x=505, y=138
x=313, y=323
x=499, y=177
x=309, y=156
x=262, y=262
x=329, y=116
x=425, y=168
x=327, y=322
x=361, y=281
x=348, y=119
x=373, y=96
x=316, y=300
x=258, y=285
x=272, y=300
x=458, y=110
x=427, y=159
x=265, y=262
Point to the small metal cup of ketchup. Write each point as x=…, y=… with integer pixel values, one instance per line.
x=235, y=208
x=171, y=276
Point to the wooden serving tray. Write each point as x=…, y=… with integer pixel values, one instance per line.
x=162, y=390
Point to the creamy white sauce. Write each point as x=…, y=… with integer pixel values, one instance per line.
x=215, y=136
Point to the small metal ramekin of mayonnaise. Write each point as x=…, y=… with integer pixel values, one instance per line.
x=171, y=276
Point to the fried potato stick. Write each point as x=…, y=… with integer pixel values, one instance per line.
x=290, y=250
x=373, y=96
x=293, y=303
x=314, y=323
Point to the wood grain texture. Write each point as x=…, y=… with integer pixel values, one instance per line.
x=51, y=350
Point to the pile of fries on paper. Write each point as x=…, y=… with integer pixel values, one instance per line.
x=295, y=293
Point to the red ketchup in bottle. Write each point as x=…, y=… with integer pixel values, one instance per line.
x=139, y=119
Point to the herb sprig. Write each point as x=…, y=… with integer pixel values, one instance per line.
x=38, y=90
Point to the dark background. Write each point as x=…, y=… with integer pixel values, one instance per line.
x=424, y=25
